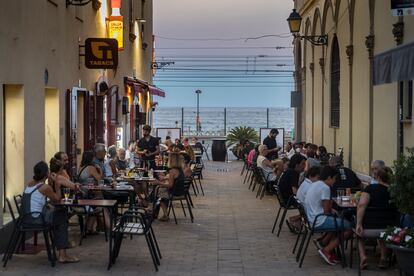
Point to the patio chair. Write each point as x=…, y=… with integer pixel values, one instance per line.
x=23, y=225
x=180, y=197
x=283, y=205
x=377, y=219
x=308, y=229
x=135, y=222
x=197, y=175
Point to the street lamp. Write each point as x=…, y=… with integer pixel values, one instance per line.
x=294, y=21
x=198, y=92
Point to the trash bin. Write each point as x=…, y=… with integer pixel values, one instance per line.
x=219, y=150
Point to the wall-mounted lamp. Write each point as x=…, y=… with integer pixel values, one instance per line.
x=294, y=21
x=132, y=37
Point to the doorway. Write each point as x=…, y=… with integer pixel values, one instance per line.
x=51, y=122
x=13, y=121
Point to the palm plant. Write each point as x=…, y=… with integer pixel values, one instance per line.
x=240, y=134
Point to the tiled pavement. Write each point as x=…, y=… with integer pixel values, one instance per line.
x=230, y=236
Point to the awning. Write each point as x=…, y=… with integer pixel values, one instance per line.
x=141, y=86
x=156, y=91
x=394, y=65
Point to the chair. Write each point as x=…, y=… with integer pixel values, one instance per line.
x=197, y=175
x=376, y=219
x=283, y=205
x=135, y=222
x=24, y=225
x=15, y=222
x=181, y=197
x=308, y=229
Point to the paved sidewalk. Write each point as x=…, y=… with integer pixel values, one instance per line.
x=231, y=235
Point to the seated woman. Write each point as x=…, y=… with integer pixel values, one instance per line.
x=376, y=196
x=88, y=173
x=110, y=162
x=172, y=182
x=34, y=200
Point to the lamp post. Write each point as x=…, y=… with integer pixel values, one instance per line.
x=198, y=92
x=294, y=21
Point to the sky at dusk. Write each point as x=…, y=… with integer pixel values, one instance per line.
x=240, y=73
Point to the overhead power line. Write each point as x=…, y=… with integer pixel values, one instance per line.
x=220, y=77
x=223, y=56
x=283, y=35
x=227, y=81
x=222, y=70
x=225, y=86
x=221, y=48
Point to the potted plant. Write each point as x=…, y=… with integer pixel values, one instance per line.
x=401, y=240
x=238, y=136
x=402, y=194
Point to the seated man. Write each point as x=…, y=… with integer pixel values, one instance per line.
x=311, y=175
x=265, y=164
x=376, y=165
x=318, y=201
x=346, y=177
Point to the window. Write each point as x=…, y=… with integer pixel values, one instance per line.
x=406, y=100
x=335, y=79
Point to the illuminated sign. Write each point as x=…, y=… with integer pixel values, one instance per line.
x=402, y=7
x=116, y=30
x=101, y=53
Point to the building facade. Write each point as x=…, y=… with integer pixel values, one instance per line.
x=340, y=105
x=49, y=100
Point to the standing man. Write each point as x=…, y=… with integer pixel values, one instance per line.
x=148, y=147
x=270, y=142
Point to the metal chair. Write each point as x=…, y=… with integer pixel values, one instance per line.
x=181, y=197
x=308, y=229
x=135, y=222
x=285, y=205
x=376, y=219
x=24, y=225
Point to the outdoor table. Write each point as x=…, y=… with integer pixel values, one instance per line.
x=345, y=204
x=102, y=203
x=124, y=188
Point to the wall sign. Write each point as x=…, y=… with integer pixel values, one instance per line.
x=402, y=7
x=116, y=30
x=101, y=53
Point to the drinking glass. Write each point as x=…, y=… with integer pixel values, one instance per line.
x=66, y=193
x=101, y=182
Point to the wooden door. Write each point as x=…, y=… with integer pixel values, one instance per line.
x=71, y=129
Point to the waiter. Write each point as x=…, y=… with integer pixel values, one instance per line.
x=270, y=142
x=148, y=147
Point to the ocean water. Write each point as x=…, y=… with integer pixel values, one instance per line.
x=212, y=118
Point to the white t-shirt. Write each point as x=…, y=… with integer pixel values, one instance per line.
x=317, y=192
x=303, y=190
x=266, y=169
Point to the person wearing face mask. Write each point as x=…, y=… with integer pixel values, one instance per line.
x=270, y=142
x=148, y=147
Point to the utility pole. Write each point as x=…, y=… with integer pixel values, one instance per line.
x=198, y=92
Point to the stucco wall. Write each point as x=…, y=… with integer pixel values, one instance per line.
x=352, y=26
x=40, y=36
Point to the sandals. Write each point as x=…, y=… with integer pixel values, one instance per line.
x=69, y=260
x=383, y=264
x=164, y=218
x=364, y=265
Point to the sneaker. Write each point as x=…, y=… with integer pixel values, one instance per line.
x=335, y=258
x=326, y=256
x=318, y=244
